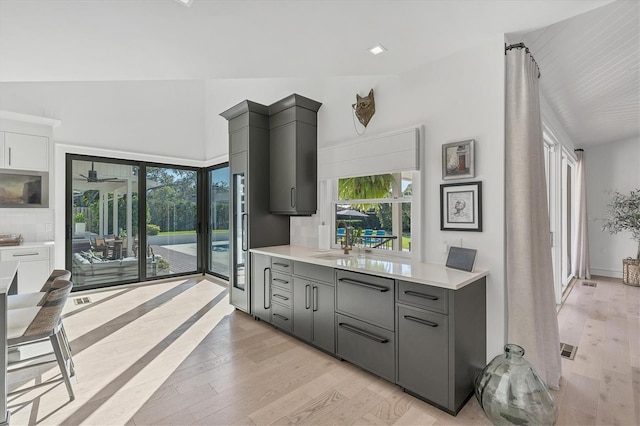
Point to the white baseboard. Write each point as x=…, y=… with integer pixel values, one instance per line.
x=607, y=273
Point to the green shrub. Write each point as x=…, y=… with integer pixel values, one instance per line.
x=153, y=229
x=79, y=218
x=163, y=264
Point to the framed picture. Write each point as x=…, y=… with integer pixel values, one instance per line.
x=458, y=161
x=461, y=206
x=20, y=189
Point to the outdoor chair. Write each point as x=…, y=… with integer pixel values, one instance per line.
x=26, y=328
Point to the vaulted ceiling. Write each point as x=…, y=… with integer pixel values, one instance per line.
x=589, y=63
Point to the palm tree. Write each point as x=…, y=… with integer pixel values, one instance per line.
x=365, y=188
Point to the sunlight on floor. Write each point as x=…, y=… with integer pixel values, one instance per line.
x=124, y=349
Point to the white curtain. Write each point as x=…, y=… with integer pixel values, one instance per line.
x=532, y=321
x=580, y=257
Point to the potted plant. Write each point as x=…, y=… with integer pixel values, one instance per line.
x=623, y=214
x=80, y=222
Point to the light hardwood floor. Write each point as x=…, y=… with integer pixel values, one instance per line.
x=177, y=353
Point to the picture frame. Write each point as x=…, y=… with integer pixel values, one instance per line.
x=24, y=189
x=461, y=206
x=458, y=160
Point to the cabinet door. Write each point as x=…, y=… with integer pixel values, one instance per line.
x=323, y=306
x=283, y=169
x=260, y=286
x=423, y=361
x=302, y=293
x=26, y=152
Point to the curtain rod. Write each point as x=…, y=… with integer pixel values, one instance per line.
x=526, y=49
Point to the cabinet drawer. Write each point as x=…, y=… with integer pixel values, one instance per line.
x=366, y=297
x=282, y=265
x=281, y=280
x=24, y=254
x=433, y=298
x=366, y=345
x=281, y=296
x=423, y=354
x=314, y=272
x=282, y=317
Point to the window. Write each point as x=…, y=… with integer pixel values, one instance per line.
x=374, y=212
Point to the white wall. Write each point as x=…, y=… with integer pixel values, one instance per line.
x=610, y=167
x=151, y=117
x=457, y=98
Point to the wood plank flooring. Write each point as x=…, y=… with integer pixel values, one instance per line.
x=177, y=353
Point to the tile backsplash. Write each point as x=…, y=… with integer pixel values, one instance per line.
x=35, y=225
x=304, y=231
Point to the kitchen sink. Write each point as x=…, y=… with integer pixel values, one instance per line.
x=333, y=256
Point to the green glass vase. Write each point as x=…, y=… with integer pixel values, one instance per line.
x=511, y=392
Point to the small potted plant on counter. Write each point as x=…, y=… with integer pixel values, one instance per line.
x=80, y=221
x=623, y=214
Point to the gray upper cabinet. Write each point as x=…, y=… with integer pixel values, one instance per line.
x=293, y=156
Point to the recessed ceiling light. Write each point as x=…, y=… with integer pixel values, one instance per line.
x=377, y=49
x=186, y=3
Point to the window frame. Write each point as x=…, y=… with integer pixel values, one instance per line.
x=331, y=189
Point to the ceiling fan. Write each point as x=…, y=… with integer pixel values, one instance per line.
x=93, y=176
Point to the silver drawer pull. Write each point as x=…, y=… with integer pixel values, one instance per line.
x=282, y=317
x=281, y=281
x=25, y=254
x=424, y=296
x=420, y=320
x=279, y=296
x=363, y=333
x=379, y=288
x=284, y=265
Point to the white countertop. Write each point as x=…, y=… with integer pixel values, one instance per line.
x=29, y=245
x=8, y=271
x=376, y=264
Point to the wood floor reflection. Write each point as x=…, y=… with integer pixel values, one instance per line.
x=177, y=353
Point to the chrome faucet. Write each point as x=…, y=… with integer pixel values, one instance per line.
x=347, y=245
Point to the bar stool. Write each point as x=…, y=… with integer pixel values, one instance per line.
x=27, y=300
x=31, y=325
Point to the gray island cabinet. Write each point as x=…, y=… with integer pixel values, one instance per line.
x=428, y=339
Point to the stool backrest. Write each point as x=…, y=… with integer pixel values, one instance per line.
x=48, y=318
x=56, y=274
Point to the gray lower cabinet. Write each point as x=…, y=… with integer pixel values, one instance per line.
x=314, y=312
x=441, y=341
x=366, y=297
x=261, y=286
x=366, y=345
x=423, y=355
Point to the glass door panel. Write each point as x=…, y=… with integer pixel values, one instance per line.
x=171, y=221
x=219, y=221
x=104, y=216
x=239, y=231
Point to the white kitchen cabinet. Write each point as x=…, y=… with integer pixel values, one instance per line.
x=24, y=152
x=35, y=265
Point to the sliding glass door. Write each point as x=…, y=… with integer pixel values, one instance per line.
x=108, y=199
x=218, y=237
x=172, y=220
x=102, y=222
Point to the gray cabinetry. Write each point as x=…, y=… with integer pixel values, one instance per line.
x=293, y=155
x=366, y=345
x=281, y=294
x=441, y=341
x=365, y=322
x=423, y=353
x=366, y=297
x=251, y=224
x=314, y=306
x=261, y=286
